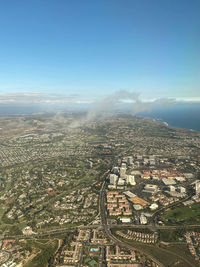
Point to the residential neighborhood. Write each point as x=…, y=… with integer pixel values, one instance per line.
x=98, y=195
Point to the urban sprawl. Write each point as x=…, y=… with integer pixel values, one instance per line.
x=119, y=192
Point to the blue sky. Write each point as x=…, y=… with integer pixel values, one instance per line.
x=92, y=47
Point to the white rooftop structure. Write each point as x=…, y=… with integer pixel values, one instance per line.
x=153, y=206
x=176, y=194
x=168, y=181
x=138, y=207
x=121, y=181
x=136, y=172
x=150, y=188
x=188, y=175
x=182, y=189
x=172, y=188
x=27, y=231
x=155, y=177
x=122, y=172
x=188, y=202
x=113, y=179
x=129, y=194
x=123, y=165
x=143, y=219
x=197, y=187
x=125, y=220
x=180, y=179
x=130, y=179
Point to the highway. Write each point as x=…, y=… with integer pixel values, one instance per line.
x=107, y=231
x=157, y=212
x=107, y=228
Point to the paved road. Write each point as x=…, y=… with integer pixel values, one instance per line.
x=38, y=235
x=107, y=229
x=157, y=212
x=95, y=226
x=103, y=224
x=158, y=227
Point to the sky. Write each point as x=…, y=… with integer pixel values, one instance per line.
x=91, y=48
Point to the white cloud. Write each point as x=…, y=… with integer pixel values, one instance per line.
x=121, y=96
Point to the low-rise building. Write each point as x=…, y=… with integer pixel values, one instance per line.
x=150, y=188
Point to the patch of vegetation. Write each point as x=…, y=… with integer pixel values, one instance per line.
x=14, y=230
x=144, y=230
x=183, y=251
x=172, y=235
x=169, y=257
x=91, y=262
x=183, y=215
x=44, y=254
x=156, y=131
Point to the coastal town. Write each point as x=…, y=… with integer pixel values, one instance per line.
x=124, y=191
x=100, y=133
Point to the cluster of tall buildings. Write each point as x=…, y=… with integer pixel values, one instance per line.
x=119, y=178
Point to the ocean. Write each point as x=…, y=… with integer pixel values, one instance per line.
x=183, y=115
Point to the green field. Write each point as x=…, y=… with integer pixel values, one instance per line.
x=43, y=254
x=183, y=215
x=171, y=256
x=2, y=210
x=90, y=261
x=172, y=235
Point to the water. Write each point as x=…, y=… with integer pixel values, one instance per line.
x=185, y=115
x=16, y=110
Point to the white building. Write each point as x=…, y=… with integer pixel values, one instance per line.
x=136, y=173
x=129, y=194
x=181, y=189
x=122, y=172
x=150, y=188
x=130, y=179
x=143, y=219
x=197, y=187
x=172, y=188
x=113, y=179
x=153, y=206
x=188, y=175
x=180, y=179
x=121, y=181
x=125, y=220
x=168, y=181
x=123, y=165
x=27, y=231
x=130, y=160
x=137, y=207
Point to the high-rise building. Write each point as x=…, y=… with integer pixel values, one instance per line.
x=116, y=170
x=130, y=160
x=122, y=172
x=123, y=165
x=197, y=187
x=130, y=179
x=113, y=179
